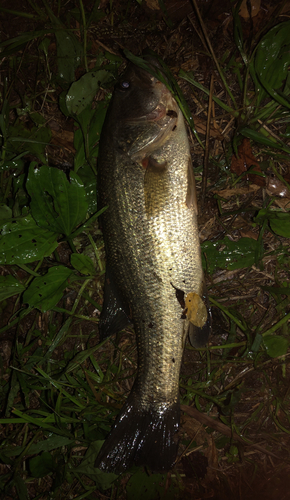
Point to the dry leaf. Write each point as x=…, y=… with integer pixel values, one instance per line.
x=255, y=8
x=245, y=160
x=152, y=4
x=249, y=234
x=200, y=125
x=227, y=193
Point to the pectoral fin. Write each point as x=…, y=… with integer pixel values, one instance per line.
x=198, y=315
x=115, y=313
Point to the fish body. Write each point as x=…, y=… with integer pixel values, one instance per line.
x=154, y=273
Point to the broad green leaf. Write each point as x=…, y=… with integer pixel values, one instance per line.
x=9, y=286
x=42, y=465
x=89, y=179
x=275, y=345
x=103, y=480
x=82, y=263
x=227, y=254
x=145, y=487
x=22, y=241
x=69, y=53
x=5, y=211
x=279, y=221
x=272, y=60
x=82, y=92
x=56, y=203
x=46, y=291
x=90, y=123
x=281, y=224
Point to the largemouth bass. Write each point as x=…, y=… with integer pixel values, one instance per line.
x=154, y=274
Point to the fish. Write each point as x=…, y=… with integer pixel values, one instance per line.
x=154, y=277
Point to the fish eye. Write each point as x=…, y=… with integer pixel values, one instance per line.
x=124, y=85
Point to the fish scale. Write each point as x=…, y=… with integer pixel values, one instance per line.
x=153, y=261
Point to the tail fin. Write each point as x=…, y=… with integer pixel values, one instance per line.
x=141, y=437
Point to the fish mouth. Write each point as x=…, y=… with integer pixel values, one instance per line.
x=166, y=106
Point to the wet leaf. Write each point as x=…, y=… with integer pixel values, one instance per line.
x=56, y=203
x=83, y=263
x=22, y=241
x=275, y=345
x=9, y=286
x=82, y=92
x=46, y=291
x=227, y=254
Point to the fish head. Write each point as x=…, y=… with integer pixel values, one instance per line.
x=137, y=94
x=142, y=114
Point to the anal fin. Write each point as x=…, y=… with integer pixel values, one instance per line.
x=115, y=314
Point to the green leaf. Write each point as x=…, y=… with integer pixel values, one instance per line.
x=82, y=263
x=5, y=211
x=56, y=203
x=281, y=224
x=103, y=480
x=9, y=286
x=33, y=140
x=90, y=124
x=69, y=53
x=227, y=254
x=279, y=221
x=22, y=241
x=258, y=137
x=145, y=487
x=49, y=444
x=89, y=179
x=46, y=291
x=21, y=488
x=80, y=357
x=257, y=342
x=272, y=61
x=275, y=345
x=82, y=92
x=42, y=465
